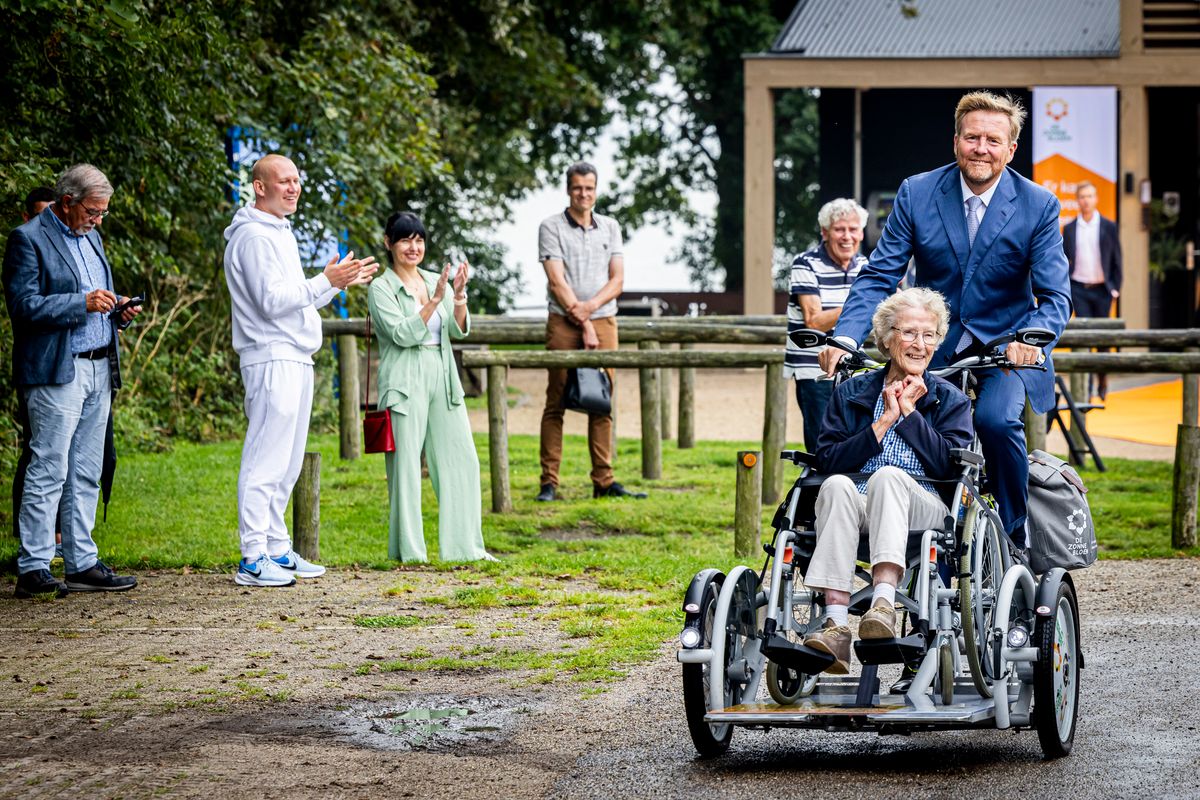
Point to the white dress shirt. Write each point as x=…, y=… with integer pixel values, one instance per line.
x=1087, y=251
x=986, y=197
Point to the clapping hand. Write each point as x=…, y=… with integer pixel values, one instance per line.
x=460, y=280
x=439, y=291
x=911, y=390
x=891, y=401
x=350, y=271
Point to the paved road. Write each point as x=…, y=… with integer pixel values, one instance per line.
x=1136, y=737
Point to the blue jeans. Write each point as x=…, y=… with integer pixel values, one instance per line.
x=813, y=397
x=999, y=420
x=67, y=425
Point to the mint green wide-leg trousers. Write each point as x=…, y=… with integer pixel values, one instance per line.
x=444, y=433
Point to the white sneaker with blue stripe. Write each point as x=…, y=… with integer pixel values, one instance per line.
x=262, y=571
x=294, y=564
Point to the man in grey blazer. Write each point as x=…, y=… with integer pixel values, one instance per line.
x=65, y=316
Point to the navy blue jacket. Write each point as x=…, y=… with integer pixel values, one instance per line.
x=940, y=423
x=45, y=301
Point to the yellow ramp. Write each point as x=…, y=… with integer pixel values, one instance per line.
x=1146, y=414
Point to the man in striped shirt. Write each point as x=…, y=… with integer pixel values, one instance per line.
x=819, y=284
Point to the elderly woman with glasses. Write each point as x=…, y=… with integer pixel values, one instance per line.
x=894, y=426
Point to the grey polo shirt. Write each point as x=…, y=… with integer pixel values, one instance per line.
x=585, y=253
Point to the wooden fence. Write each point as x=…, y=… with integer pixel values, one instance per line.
x=651, y=358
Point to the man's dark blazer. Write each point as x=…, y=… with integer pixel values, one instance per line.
x=1110, y=252
x=1015, y=276
x=45, y=299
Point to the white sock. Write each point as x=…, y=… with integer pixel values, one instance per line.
x=884, y=591
x=838, y=614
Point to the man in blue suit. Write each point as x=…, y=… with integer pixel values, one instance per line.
x=988, y=240
x=65, y=316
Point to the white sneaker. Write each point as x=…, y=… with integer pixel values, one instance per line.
x=262, y=572
x=295, y=564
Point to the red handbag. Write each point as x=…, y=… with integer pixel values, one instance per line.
x=377, y=426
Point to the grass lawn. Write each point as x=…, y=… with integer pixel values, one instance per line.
x=178, y=509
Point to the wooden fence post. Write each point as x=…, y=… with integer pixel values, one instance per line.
x=349, y=426
x=306, y=509
x=1187, y=467
x=1035, y=429
x=664, y=399
x=747, y=513
x=651, y=418
x=1079, y=382
x=687, y=404
x=497, y=390
x=774, y=433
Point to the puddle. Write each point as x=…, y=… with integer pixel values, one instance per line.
x=431, y=722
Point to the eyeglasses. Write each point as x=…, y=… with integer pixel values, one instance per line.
x=94, y=214
x=910, y=336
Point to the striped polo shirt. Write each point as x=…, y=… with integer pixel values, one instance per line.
x=814, y=272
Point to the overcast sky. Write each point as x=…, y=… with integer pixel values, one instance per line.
x=647, y=250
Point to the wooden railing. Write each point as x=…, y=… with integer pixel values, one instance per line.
x=651, y=358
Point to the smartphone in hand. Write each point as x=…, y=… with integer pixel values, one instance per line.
x=128, y=302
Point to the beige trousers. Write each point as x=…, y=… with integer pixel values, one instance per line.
x=894, y=504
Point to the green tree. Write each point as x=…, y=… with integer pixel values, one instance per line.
x=686, y=134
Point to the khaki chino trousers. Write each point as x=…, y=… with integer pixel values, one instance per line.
x=561, y=334
x=893, y=505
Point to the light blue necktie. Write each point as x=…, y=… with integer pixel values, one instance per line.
x=973, y=204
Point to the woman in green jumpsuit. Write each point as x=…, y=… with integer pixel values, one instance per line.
x=414, y=320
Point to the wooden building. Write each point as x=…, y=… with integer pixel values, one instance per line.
x=890, y=73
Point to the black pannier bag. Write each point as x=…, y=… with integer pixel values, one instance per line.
x=1059, y=526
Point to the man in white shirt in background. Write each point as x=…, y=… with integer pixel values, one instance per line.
x=1094, y=258
x=276, y=330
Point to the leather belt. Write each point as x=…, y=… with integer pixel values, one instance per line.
x=94, y=355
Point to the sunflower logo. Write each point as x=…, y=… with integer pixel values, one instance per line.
x=1077, y=521
x=1056, y=108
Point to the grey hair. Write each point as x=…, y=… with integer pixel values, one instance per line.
x=579, y=168
x=82, y=181
x=918, y=298
x=836, y=209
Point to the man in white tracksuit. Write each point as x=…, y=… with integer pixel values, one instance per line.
x=276, y=330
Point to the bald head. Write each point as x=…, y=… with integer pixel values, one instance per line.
x=276, y=185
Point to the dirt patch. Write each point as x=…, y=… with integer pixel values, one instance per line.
x=193, y=687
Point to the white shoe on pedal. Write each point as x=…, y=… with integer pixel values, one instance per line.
x=294, y=564
x=262, y=572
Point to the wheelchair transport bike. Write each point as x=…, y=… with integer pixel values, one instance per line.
x=985, y=642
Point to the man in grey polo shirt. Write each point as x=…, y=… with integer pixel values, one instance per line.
x=581, y=252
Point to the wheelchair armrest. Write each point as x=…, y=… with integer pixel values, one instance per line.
x=962, y=457
x=799, y=457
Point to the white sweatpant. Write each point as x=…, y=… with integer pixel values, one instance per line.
x=278, y=406
x=894, y=504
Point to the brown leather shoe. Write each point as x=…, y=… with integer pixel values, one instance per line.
x=879, y=622
x=834, y=640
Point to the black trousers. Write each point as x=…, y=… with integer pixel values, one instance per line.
x=1090, y=299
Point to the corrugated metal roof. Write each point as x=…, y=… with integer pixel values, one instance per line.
x=952, y=29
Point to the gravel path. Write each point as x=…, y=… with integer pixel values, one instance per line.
x=192, y=687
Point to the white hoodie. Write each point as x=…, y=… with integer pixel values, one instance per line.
x=274, y=307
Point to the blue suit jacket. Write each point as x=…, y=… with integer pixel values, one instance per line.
x=45, y=301
x=1014, y=277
